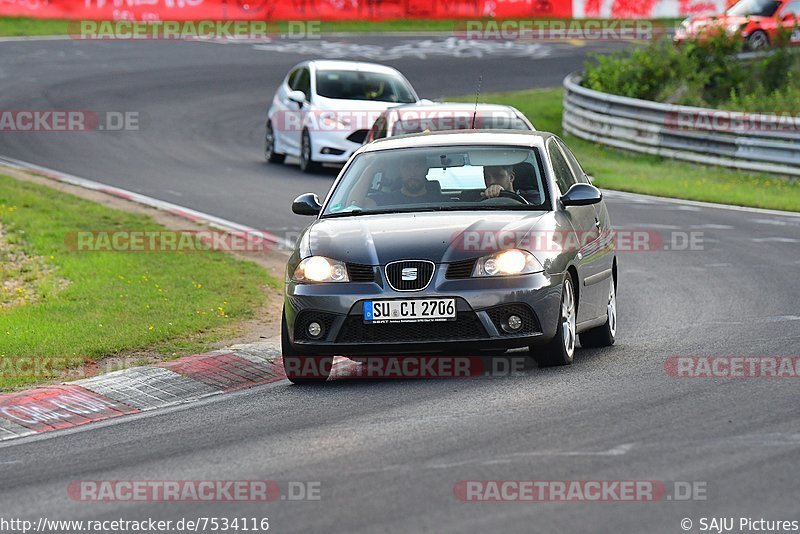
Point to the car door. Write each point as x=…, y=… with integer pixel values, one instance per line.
x=283, y=112
x=604, y=256
x=295, y=112
x=585, y=224
x=789, y=18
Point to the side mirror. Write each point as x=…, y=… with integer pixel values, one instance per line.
x=307, y=204
x=581, y=195
x=298, y=97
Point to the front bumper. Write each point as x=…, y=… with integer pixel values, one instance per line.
x=335, y=146
x=482, y=304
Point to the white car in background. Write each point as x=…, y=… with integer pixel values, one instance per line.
x=324, y=109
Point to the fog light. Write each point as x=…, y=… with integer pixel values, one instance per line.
x=512, y=324
x=314, y=330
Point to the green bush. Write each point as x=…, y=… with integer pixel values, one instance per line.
x=705, y=74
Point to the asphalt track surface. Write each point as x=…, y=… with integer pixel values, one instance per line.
x=388, y=453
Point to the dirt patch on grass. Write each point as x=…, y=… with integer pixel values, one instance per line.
x=24, y=279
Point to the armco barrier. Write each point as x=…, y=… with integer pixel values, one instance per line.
x=752, y=142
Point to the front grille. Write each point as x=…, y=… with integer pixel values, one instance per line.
x=409, y=275
x=466, y=326
x=360, y=273
x=358, y=136
x=460, y=269
x=499, y=314
x=306, y=317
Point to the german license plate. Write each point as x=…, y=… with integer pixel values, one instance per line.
x=409, y=310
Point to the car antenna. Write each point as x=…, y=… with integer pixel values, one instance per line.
x=477, y=95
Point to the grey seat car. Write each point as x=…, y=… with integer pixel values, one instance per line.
x=451, y=242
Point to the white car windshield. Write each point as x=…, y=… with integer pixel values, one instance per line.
x=360, y=85
x=440, y=179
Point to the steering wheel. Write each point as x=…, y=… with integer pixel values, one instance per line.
x=508, y=194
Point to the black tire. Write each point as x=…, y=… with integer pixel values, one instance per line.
x=561, y=349
x=307, y=163
x=302, y=368
x=604, y=335
x=757, y=40
x=269, y=147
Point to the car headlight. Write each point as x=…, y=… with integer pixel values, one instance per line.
x=731, y=29
x=507, y=263
x=320, y=269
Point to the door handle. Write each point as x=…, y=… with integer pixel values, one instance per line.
x=597, y=223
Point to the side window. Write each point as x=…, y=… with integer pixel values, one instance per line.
x=303, y=82
x=576, y=168
x=563, y=174
x=379, y=128
x=793, y=8
x=291, y=80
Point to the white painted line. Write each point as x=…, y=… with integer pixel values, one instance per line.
x=175, y=209
x=775, y=240
x=24, y=38
x=639, y=196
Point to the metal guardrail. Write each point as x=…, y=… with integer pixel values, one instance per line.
x=746, y=141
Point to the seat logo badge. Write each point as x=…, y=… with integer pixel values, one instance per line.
x=409, y=273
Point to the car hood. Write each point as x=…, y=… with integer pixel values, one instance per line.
x=436, y=236
x=704, y=22
x=358, y=114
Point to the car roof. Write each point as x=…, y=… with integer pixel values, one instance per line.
x=460, y=137
x=335, y=64
x=453, y=106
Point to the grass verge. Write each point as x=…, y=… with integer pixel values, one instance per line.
x=84, y=306
x=654, y=175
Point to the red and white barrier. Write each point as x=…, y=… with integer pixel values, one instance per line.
x=315, y=10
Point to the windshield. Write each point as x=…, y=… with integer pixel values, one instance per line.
x=421, y=121
x=757, y=8
x=440, y=178
x=358, y=85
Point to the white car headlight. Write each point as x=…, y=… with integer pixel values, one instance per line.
x=507, y=263
x=733, y=28
x=320, y=269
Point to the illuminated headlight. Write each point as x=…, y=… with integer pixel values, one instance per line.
x=320, y=269
x=507, y=263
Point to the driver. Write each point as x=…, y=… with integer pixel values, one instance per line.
x=414, y=185
x=497, y=178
